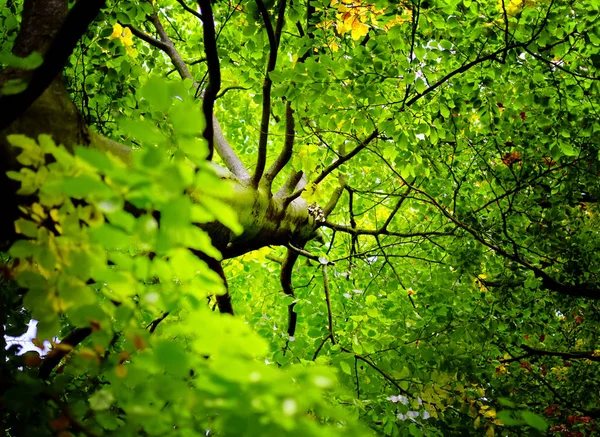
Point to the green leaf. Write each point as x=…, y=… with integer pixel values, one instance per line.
x=171, y=357
x=32, y=61
x=101, y=400
x=157, y=92
x=534, y=420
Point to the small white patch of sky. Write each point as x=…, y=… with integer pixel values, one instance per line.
x=25, y=340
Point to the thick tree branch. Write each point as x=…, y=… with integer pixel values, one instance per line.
x=274, y=37
x=214, y=72
x=77, y=22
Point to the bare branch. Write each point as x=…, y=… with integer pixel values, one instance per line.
x=169, y=48
x=582, y=355
x=223, y=148
x=154, y=324
x=396, y=209
x=231, y=88
x=367, y=361
x=303, y=252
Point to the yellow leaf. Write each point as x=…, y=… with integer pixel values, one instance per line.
x=117, y=31
x=359, y=30
x=490, y=432
x=490, y=413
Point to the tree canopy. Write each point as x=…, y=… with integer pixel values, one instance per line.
x=298, y=217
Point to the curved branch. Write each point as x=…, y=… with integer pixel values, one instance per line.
x=231, y=88
x=77, y=22
x=223, y=300
x=190, y=10
x=285, y=278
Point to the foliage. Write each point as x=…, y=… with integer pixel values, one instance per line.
x=453, y=289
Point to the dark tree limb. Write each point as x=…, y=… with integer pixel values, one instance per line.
x=68, y=343
x=77, y=22
x=583, y=355
x=214, y=72
x=223, y=300
x=154, y=324
x=371, y=364
x=374, y=232
x=285, y=278
x=274, y=36
x=231, y=88
x=328, y=302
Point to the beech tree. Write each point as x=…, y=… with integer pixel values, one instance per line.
x=329, y=217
